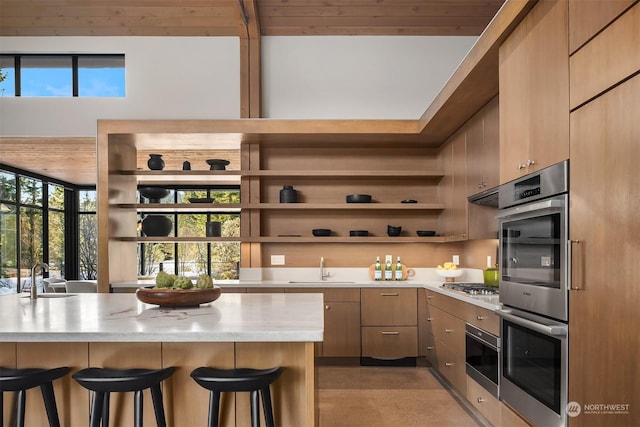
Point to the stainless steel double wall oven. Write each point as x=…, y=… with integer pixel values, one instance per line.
x=534, y=284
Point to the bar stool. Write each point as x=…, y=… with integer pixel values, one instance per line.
x=232, y=380
x=103, y=381
x=21, y=380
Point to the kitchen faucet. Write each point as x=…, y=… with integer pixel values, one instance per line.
x=322, y=273
x=34, y=288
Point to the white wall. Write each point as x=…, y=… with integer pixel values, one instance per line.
x=341, y=77
x=166, y=78
x=345, y=77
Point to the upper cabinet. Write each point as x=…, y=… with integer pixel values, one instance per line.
x=483, y=149
x=587, y=18
x=534, y=92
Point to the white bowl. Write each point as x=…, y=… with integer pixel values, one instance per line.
x=450, y=275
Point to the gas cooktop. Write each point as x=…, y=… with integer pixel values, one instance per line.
x=472, y=288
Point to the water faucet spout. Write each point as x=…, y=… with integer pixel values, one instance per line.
x=34, y=288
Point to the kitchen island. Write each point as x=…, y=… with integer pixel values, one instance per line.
x=116, y=330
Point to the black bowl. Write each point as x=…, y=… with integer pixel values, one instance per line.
x=358, y=233
x=359, y=198
x=393, y=231
x=154, y=194
x=409, y=201
x=217, y=164
x=321, y=232
x=426, y=233
x=156, y=226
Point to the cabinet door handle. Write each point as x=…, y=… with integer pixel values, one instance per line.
x=389, y=294
x=390, y=333
x=327, y=307
x=480, y=317
x=429, y=319
x=429, y=297
x=448, y=331
x=576, y=267
x=521, y=166
x=429, y=347
x=480, y=400
x=448, y=363
x=531, y=162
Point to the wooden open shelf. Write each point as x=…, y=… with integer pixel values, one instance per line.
x=346, y=206
x=183, y=207
x=170, y=239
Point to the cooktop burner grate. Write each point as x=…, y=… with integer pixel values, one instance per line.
x=472, y=288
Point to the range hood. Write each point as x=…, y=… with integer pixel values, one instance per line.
x=487, y=197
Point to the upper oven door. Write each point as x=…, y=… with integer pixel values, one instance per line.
x=533, y=254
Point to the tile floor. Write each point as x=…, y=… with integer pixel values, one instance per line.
x=354, y=396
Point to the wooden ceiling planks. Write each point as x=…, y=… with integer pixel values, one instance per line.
x=224, y=17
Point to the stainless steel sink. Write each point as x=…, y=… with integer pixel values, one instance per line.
x=319, y=282
x=51, y=296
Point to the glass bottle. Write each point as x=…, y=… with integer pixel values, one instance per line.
x=388, y=271
x=398, y=269
x=377, y=270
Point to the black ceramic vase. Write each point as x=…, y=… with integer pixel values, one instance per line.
x=288, y=194
x=153, y=194
x=156, y=226
x=155, y=162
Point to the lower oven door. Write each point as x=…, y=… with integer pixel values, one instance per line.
x=534, y=367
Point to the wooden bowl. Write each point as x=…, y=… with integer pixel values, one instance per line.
x=170, y=298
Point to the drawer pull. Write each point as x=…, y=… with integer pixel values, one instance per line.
x=429, y=319
x=390, y=333
x=429, y=347
x=479, y=317
x=448, y=363
x=389, y=294
x=327, y=307
x=448, y=331
x=429, y=297
x=480, y=400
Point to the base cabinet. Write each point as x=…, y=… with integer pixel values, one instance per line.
x=496, y=412
x=389, y=323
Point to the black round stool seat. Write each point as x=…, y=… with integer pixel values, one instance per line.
x=20, y=380
x=103, y=381
x=238, y=380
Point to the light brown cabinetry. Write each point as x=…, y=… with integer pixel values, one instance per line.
x=609, y=58
x=483, y=149
x=534, y=92
x=496, y=412
x=389, y=320
x=341, y=321
x=453, y=188
x=604, y=220
x=587, y=18
x=446, y=316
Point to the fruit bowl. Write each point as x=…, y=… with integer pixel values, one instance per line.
x=171, y=298
x=450, y=275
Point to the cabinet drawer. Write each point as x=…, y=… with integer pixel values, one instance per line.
x=451, y=366
x=448, y=304
x=392, y=341
x=389, y=306
x=483, y=401
x=431, y=352
x=484, y=319
x=448, y=329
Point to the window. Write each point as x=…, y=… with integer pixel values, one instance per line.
x=218, y=259
x=63, y=75
x=87, y=235
x=39, y=222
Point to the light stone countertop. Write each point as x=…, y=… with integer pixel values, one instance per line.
x=234, y=317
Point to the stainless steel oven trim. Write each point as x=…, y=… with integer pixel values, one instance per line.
x=551, y=302
x=512, y=394
x=487, y=339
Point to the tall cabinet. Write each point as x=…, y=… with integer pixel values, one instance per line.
x=604, y=343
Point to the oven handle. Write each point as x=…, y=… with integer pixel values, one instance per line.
x=544, y=205
x=556, y=330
